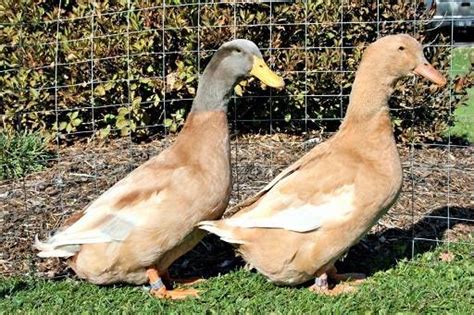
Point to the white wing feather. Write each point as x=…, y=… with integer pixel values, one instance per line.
x=302, y=218
x=99, y=224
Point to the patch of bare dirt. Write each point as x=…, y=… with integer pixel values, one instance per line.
x=436, y=203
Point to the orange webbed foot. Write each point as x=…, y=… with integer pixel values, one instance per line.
x=337, y=290
x=176, y=294
x=159, y=290
x=188, y=281
x=321, y=285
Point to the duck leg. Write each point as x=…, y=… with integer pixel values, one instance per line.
x=321, y=283
x=158, y=289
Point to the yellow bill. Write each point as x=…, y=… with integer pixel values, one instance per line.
x=261, y=71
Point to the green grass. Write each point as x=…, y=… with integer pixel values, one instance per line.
x=21, y=153
x=463, y=122
x=462, y=60
x=427, y=284
x=464, y=118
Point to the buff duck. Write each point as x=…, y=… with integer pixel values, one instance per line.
x=135, y=230
x=296, y=227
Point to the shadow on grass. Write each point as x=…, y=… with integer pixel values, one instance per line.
x=376, y=252
x=19, y=285
x=382, y=251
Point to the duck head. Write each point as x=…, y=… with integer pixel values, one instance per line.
x=397, y=56
x=241, y=58
x=232, y=62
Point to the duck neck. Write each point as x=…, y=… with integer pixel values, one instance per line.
x=367, y=128
x=204, y=137
x=369, y=98
x=214, y=92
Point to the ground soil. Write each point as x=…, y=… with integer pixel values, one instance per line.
x=436, y=204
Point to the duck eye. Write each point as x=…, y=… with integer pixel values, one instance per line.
x=401, y=48
x=238, y=50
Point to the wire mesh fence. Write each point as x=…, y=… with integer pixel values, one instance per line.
x=95, y=72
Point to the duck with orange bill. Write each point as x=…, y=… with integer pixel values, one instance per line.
x=297, y=226
x=135, y=230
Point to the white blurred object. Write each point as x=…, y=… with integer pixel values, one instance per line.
x=460, y=12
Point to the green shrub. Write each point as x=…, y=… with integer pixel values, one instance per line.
x=161, y=90
x=21, y=153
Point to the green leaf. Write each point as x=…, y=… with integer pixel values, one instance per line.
x=238, y=90
x=104, y=132
x=173, y=127
x=145, y=80
x=122, y=111
x=121, y=123
x=108, y=118
x=136, y=102
x=76, y=122
x=99, y=90
x=168, y=122
x=34, y=93
x=124, y=131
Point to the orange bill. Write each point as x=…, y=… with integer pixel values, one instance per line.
x=261, y=71
x=429, y=72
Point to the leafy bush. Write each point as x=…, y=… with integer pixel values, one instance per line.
x=21, y=153
x=144, y=83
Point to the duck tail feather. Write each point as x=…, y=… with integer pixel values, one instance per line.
x=50, y=249
x=220, y=229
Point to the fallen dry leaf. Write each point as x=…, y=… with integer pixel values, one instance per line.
x=446, y=256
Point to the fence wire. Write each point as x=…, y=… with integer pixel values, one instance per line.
x=452, y=208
